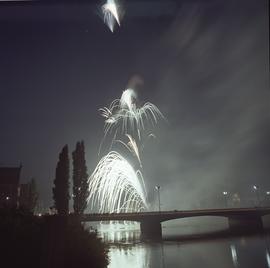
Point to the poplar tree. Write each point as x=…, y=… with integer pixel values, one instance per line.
x=61, y=183
x=80, y=179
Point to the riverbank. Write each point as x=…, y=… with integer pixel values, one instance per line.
x=48, y=241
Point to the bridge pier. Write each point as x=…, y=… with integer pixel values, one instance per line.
x=151, y=229
x=245, y=223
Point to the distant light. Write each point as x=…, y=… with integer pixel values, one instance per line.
x=39, y=214
x=225, y=193
x=255, y=187
x=268, y=192
x=7, y=198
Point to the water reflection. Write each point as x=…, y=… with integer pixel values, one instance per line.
x=127, y=233
x=268, y=258
x=234, y=256
x=127, y=256
x=250, y=251
x=127, y=250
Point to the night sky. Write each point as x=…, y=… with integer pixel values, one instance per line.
x=205, y=64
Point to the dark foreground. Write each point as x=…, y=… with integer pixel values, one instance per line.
x=51, y=241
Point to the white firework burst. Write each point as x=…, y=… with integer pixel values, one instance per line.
x=110, y=14
x=125, y=114
x=116, y=187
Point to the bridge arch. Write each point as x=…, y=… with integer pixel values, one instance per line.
x=193, y=217
x=194, y=224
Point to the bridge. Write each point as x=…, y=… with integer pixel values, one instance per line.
x=150, y=222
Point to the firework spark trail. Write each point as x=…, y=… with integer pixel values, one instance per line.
x=133, y=118
x=132, y=147
x=116, y=186
x=110, y=13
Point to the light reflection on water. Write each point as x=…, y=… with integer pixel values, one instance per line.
x=127, y=233
x=268, y=258
x=234, y=255
x=127, y=250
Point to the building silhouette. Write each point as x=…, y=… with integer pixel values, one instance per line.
x=10, y=186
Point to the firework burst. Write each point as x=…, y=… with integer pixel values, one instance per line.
x=116, y=187
x=125, y=114
x=110, y=14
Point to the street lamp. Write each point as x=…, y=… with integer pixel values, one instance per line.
x=255, y=188
x=158, y=190
x=267, y=202
x=225, y=193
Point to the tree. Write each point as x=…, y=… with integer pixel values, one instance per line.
x=28, y=195
x=61, y=189
x=43, y=242
x=80, y=179
x=33, y=195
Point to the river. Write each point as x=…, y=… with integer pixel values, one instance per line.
x=211, y=247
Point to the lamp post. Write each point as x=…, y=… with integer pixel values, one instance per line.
x=255, y=188
x=225, y=193
x=158, y=190
x=267, y=199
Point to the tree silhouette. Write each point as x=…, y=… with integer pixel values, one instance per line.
x=80, y=179
x=28, y=197
x=61, y=182
x=33, y=195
